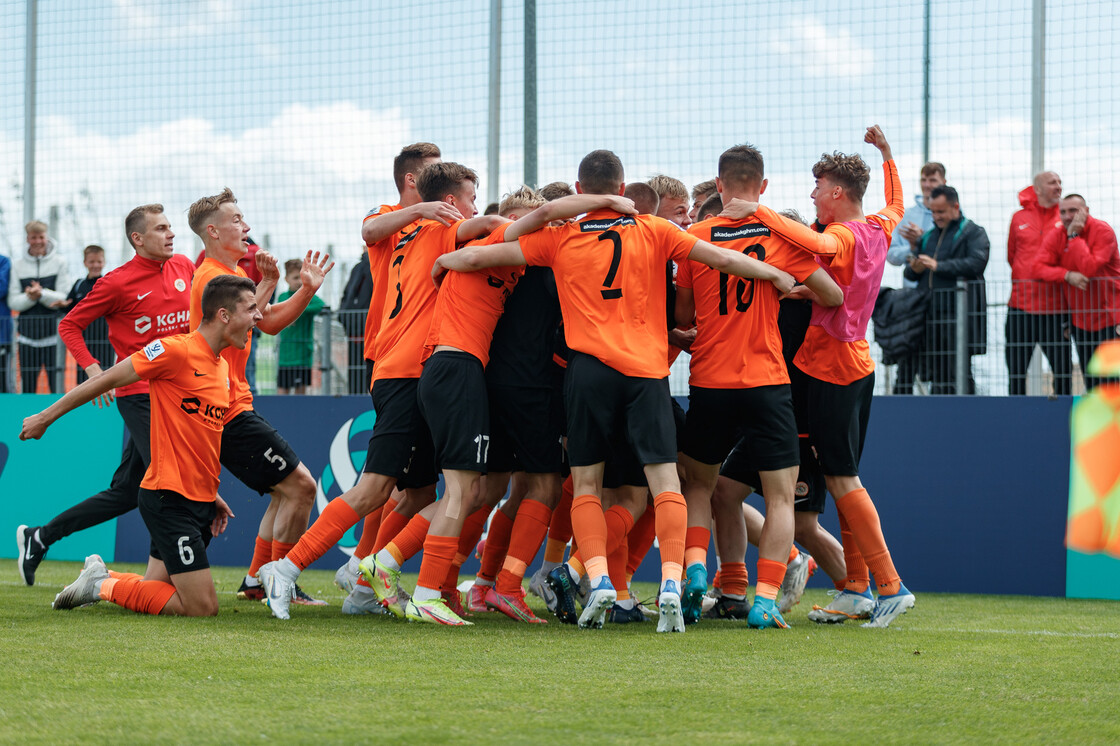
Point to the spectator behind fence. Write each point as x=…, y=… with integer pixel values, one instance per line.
x=1082, y=253
x=5, y=322
x=96, y=335
x=35, y=291
x=1036, y=312
x=297, y=340
x=352, y=314
x=915, y=222
x=954, y=249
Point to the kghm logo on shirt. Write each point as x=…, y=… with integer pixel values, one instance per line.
x=194, y=405
x=724, y=233
x=597, y=226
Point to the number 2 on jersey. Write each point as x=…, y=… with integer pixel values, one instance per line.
x=611, y=292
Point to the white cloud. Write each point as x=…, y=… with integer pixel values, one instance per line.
x=144, y=18
x=821, y=51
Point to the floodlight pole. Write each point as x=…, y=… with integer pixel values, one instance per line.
x=531, y=93
x=494, y=133
x=29, y=77
x=925, y=87
x=1038, y=86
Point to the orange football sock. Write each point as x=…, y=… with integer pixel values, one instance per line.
x=576, y=563
x=141, y=596
x=497, y=543
x=262, y=555
x=529, y=529
x=392, y=521
x=560, y=527
x=770, y=576
x=856, y=577
x=671, y=523
x=733, y=579
x=696, y=539
x=125, y=575
x=410, y=540
x=793, y=552
x=554, y=550
x=451, y=579
x=640, y=541
x=439, y=552
x=369, y=533
x=863, y=520
x=619, y=524
x=589, y=527
x=280, y=549
x=335, y=520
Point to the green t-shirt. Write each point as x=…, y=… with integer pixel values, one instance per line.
x=297, y=340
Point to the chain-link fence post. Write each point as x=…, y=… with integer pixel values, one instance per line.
x=325, y=352
x=963, y=363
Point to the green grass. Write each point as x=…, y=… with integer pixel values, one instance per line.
x=956, y=668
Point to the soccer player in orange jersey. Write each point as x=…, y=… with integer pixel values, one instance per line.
x=382, y=228
x=191, y=394
x=738, y=385
x=610, y=276
x=701, y=193
x=400, y=449
x=836, y=358
x=252, y=450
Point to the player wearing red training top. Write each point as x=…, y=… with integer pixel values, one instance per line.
x=252, y=450
x=142, y=300
x=400, y=452
x=738, y=385
x=610, y=276
x=190, y=394
x=836, y=358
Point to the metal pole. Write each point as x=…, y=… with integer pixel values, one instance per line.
x=29, y=76
x=59, y=371
x=325, y=353
x=963, y=362
x=494, y=135
x=925, y=88
x=531, y=92
x=1038, y=86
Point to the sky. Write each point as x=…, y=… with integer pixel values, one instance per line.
x=300, y=107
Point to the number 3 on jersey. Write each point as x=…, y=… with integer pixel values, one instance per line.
x=610, y=293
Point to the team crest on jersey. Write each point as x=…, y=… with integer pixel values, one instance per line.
x=728, y=233
x=154, y=350
x=597, y=226
x=180, y=284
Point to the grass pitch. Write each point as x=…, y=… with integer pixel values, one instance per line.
x=955, y=669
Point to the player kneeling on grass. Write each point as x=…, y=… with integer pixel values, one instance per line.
x=179, y=501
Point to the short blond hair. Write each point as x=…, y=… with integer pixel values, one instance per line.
x=556, y=190
x=668, y=188
x=704, y=190
x=526, y=198
x=202, y=209
x=35, y=226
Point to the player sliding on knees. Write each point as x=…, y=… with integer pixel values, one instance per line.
x=610, y=277
x=178, y=500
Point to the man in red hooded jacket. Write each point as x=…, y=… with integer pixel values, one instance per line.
x=1036, y=312
x=1081, y=256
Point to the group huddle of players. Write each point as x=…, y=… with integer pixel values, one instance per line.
x=528, y=352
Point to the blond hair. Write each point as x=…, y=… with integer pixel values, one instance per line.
x=526, y=198
x=668, y=187
x=202, y=209
x=35, y=226
x=704, y=190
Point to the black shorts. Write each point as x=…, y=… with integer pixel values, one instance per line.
x=255, y=453
x=838, y=418
x=452, y=399
x=290, y=378
x=180, y=529
x=526, y=426
x=810, y=493
x=602, y=402
x=623, y=469
x=762, y=416
x=401, y=444
x=679, y=418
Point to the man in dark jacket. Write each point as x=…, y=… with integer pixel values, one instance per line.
x=955, y=249
x=354, y=307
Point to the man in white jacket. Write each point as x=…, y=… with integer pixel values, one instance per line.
x=37, y=290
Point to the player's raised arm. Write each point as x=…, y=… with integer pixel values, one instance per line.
x=569, y=207
x=276, y=316
x=472, y=258
x=892, y=185
x=121, y=374
x=741, y=265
